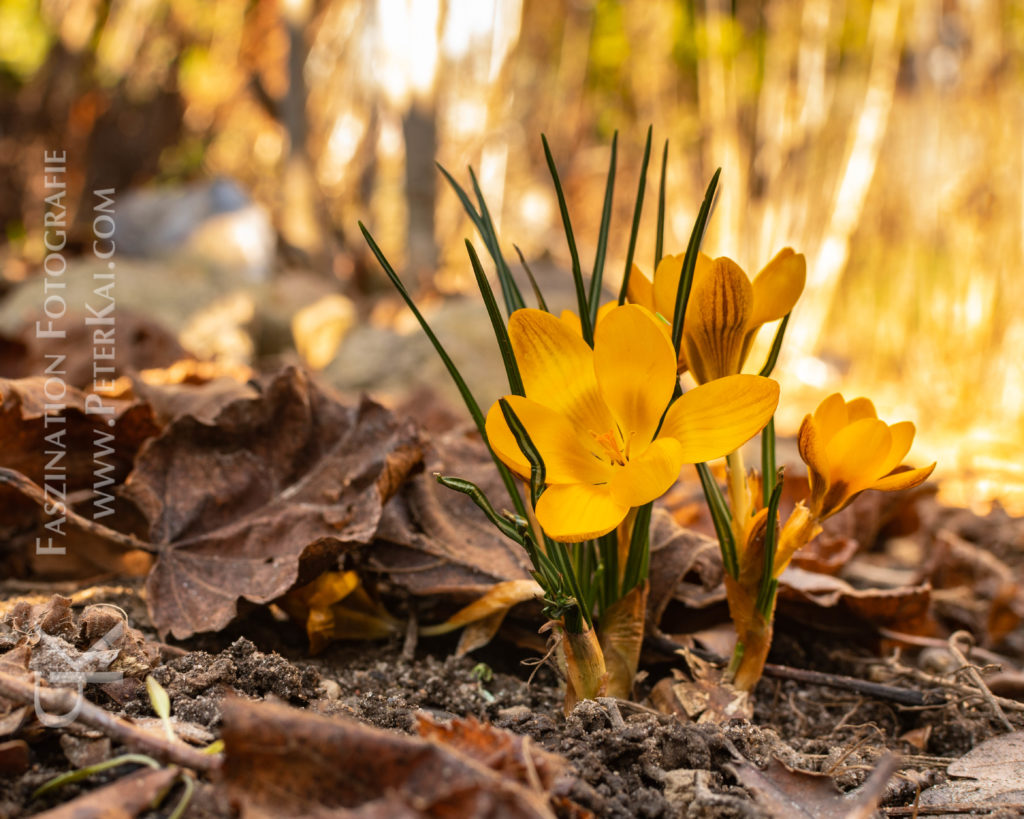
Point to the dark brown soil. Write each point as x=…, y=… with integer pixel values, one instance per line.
x=629, y=759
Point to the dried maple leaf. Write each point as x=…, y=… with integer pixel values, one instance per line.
x=274, y=489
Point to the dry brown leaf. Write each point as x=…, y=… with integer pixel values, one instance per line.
x=70, y=437
x=276, y=487
x=905, y=609
x=786, y=793
x=202, y=401
x=141, y=342
x=15, y=757
x=433, y=540
x=123, y=798
x=702, y=697
x=675, y=553
x=992, y=604
x=512, y=755
x=993, y=776
x=280, y=761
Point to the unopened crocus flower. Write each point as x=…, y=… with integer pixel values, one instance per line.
x=725, y=309
x=848, y=450
x=604, y=422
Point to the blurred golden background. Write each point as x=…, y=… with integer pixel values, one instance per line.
x=885, y=140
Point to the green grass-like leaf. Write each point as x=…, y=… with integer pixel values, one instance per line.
x=690, y=261
x=773, y=354
x=721, y=517
x=766, y=588
x=538, y=471
x=768, y=461
x=637, y=211
x=476, y=494
x=659, y=236
x=508, y=284
x=541, y=304
x=85, y=773
x=577, y=274
x=515, y=381
x=453, y=371
x=485, y=227
x=639, y=549
x=602, y=236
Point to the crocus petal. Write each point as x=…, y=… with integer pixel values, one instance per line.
x=830, y=417
x=666, y=283
x=635, y=367
x=557, y=367
x=857, y=452
x=858, y=408
x=575, y=512
x=717, y=318
x=716, y=418
x=640, y=289
x=902, y=437
x=812, y=452
x=568, y=456
x=572, y=321
x=649, y=475
x=778, y=286
x=903, y=480
x=503, y=442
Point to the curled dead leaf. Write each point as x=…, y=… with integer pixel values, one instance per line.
x=275, y=488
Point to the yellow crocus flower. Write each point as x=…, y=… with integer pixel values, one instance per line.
x=726, y=308
x=848, y=450
x=598, y=417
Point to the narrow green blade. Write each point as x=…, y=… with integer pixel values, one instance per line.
x=515, y=381
x=476, y=494
x=513, y=299
x=773, y=354
x=768, y=461
x=453, y=371
x=577, y=274
x=541, y=304
x=766, y=588
x=690, y=261
x=659, y=241
x=602, y=236
x=639, y=546
x=721, y=517
x=508, y=284
x=530, y=452
x=637, y=211
x=608, y=545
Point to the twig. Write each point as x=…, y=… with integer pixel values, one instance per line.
x=64, y=701
x=941, y=682
x=972, y=808
x=902, y=696
x=32, y=491
x=972, y=671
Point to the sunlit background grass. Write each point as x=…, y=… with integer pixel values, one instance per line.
x=885, y=140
